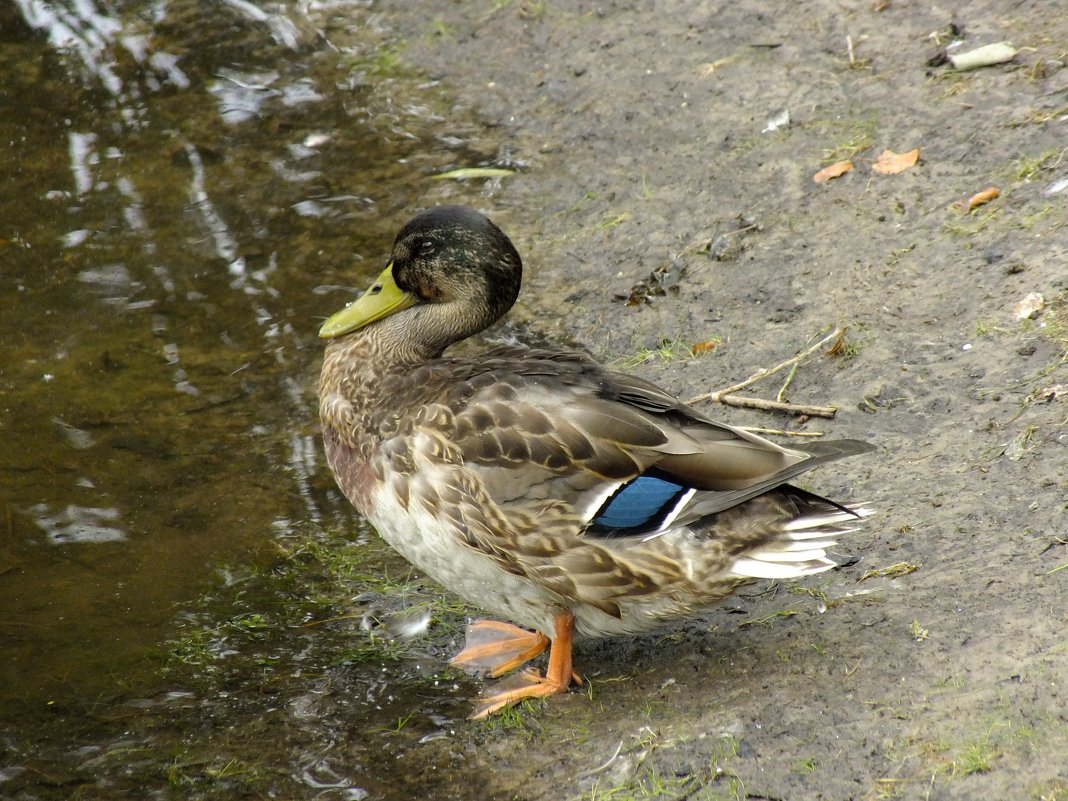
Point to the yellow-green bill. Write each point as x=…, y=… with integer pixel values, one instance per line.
x=381, y=300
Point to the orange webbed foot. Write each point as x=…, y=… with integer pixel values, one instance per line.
x=494, y=648
x=529, y=684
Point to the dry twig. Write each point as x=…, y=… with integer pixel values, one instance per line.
x=780, y=432
x=728, y=397
x=746, y=402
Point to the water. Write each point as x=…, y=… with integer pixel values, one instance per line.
x=188, y=189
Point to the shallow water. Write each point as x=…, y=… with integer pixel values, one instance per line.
x=189, y=188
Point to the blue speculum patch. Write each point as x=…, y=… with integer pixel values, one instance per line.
x=637, y=507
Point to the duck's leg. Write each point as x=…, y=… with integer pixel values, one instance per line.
x=529, y=684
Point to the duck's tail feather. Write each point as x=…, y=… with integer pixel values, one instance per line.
x=801, y=547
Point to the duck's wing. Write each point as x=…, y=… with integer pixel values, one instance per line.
x=733, y=463
x=558, y=426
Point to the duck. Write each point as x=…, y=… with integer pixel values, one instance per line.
x=571, y=500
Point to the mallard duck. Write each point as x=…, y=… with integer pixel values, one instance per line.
x=537, y=484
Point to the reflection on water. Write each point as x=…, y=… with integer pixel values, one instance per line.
x=183, y=200
x=83, y=30
x=78, y=524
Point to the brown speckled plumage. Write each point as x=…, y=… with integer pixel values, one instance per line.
x=496, y=474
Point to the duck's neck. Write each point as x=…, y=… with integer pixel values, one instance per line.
x=355, y=384
x=363, y=371
x=415, y=336
x=358, y=364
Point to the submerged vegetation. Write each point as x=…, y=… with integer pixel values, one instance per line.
x=356, y=591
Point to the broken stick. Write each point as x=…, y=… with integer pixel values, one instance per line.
x=728, y=397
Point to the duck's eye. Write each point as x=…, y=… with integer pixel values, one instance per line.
x=426, y=247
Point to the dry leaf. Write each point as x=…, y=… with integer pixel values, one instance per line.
x=839, y=344
x=1025, y=309
x=468, y=173
x=976, y=200
x=704, y=347
x=997, y=53
x=891, y=163
x=833, y=171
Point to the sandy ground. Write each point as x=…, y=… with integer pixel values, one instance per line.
x=642, y=131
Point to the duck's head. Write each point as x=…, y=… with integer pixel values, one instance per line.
x=451, y=274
